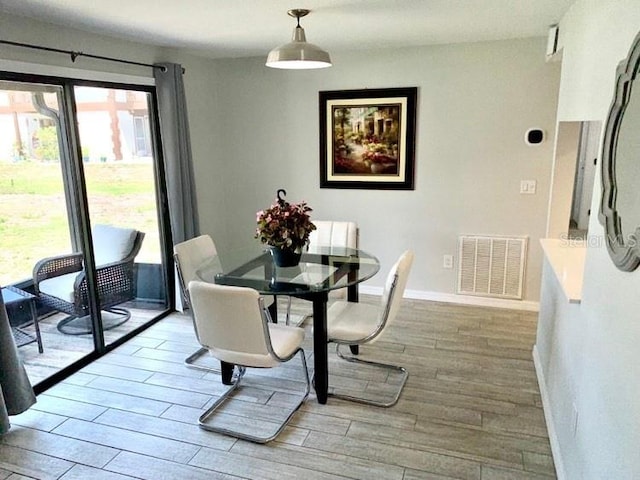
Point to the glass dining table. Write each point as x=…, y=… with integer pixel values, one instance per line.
x=321, y=270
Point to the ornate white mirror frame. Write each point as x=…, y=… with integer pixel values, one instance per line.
x=620, y=202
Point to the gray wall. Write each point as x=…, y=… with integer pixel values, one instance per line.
x=475, y=103
x=255, y=130
x=589, y=352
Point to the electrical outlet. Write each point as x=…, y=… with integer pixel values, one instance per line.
x=447, y=261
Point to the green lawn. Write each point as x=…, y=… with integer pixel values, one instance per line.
x=45, y=178
x=33, y=218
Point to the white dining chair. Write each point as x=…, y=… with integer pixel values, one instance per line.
x=234, y=328
x=350, y=323
x=334, y=234
x=331, y=234
x=189, y=256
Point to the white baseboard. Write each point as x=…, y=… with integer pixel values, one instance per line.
x=526, y=305
x=548, y=418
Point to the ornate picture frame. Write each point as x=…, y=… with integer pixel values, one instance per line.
x=367, y=138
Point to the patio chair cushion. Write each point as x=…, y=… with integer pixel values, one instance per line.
x=111, y=244
x=60, y=287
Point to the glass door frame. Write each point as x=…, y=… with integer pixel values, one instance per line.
x=78, y=206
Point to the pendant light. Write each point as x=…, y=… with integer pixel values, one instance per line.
x=298, y=54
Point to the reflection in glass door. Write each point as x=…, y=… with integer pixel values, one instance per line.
x=77, y=163
x=119, y=169
x=40, y=251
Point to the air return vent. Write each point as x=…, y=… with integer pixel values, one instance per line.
x=492, y=266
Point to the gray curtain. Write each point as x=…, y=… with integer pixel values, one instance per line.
x=16, y=394
x=176, y=143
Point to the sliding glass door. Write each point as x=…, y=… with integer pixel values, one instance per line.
x=115, y=130
x=34, y=218
x=38, y=219
x=82, y=231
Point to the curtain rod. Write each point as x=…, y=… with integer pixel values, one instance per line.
x=74, y=55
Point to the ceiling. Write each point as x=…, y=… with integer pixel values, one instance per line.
x=241, y=28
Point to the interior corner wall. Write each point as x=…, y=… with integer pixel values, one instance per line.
x=475, y=103
x=597, y=356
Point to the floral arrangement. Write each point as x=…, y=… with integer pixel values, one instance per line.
x=285, y=225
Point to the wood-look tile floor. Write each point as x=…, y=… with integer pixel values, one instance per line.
x=470, y=410
x=60, y=350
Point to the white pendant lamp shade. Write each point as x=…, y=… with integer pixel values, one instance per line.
x=298, y=54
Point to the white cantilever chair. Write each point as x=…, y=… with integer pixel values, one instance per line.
x=234, y=328
x=332, y=234
x=350, y=323
x=190, y=255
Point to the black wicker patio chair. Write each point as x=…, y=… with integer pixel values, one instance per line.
x=60, y=282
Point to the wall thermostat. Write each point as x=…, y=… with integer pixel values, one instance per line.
x=534, y=136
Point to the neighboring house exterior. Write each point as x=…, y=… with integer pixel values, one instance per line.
x=123, y=114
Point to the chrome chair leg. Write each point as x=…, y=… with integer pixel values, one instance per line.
x=191, y=359
x=288, y=317
x=202, y=421
x=386, y=366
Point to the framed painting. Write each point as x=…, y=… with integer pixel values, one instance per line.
x=367, y=138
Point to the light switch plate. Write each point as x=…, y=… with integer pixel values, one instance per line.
x=528, y=187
